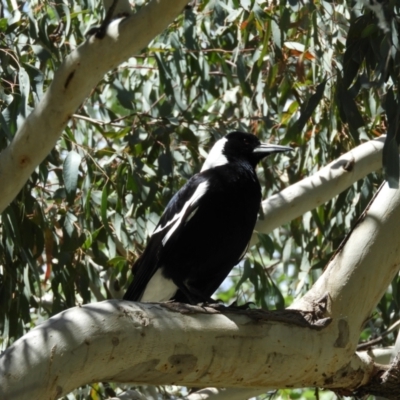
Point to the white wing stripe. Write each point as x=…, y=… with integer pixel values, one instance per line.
x=160, y=228
x=191, y=215
x=201, y=189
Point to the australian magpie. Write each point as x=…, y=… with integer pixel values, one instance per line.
x=206, y=227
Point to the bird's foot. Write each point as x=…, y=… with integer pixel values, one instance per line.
x=246, y=306
x=211, y=303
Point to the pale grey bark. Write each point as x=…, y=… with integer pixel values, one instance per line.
x=364, y=266
x=146, y=343
x=320, y=187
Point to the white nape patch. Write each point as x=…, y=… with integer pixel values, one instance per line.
x=159, y=288
x=216, y=156
x=201, y=189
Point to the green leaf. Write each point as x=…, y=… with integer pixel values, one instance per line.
x=189, y=29
x=369, y=30
x=390, y=159
x=124, y=96
x=348, y=109
x=242, y=75
x=70, y=174
x=3, y=24
x=390, y=154
x=104, y=207
x=267, y=243
x=307, y=110
x=116, y=261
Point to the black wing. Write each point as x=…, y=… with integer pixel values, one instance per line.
x=178, y=212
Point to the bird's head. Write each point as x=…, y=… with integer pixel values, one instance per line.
x=240, y=146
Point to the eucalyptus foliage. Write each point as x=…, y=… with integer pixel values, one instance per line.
x=319, y=76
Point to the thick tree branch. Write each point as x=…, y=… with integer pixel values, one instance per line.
x=148, y=343
x=363, y=266
x=379, y=356
x=322, y=186
x=78, y=74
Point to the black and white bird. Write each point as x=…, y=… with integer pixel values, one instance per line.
x=206, y=227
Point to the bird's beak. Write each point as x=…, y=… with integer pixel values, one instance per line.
x=266, y=149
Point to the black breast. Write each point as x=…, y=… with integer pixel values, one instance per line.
x=218, y=233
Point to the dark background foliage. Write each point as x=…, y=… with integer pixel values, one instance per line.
x=320, y=76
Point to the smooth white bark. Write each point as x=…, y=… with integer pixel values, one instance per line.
x=360, y=272
x=145, y=343
x=72, y=83
x=320, y=187
x=378, y=355
x=383, y=355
